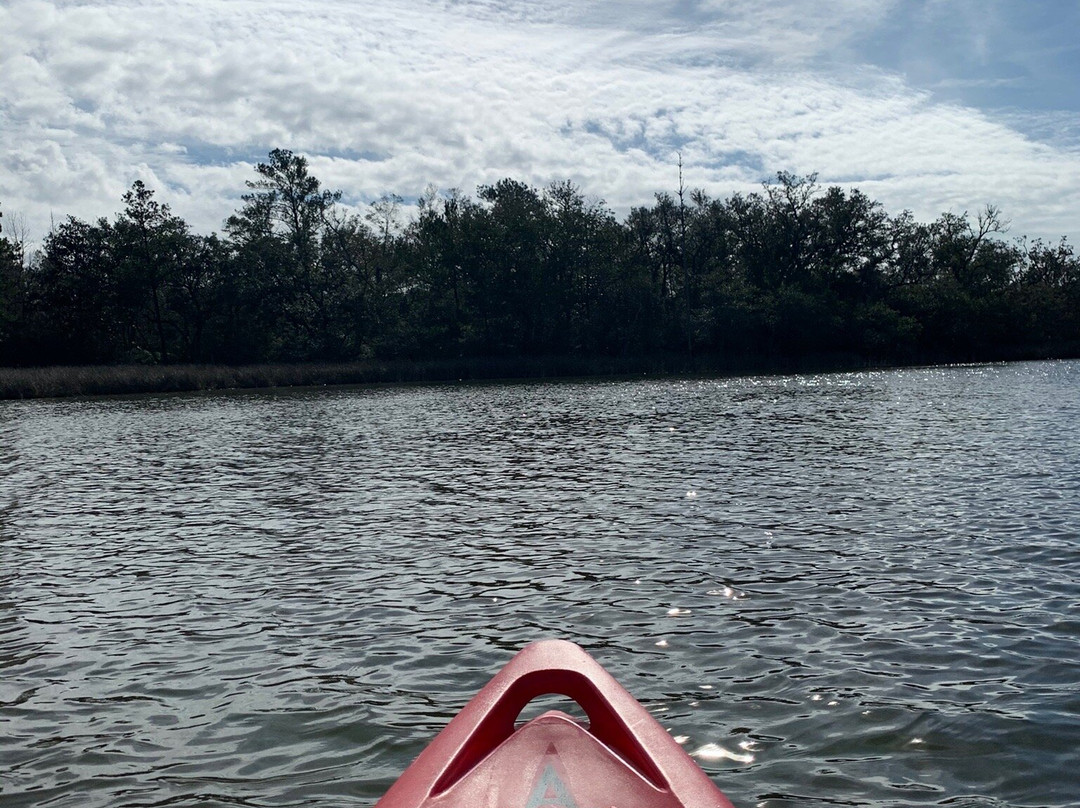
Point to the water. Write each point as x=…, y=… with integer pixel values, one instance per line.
x=853, y=589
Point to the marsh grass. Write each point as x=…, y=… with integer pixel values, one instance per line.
x=99, y=380
x=53, y=382
x=56, y=382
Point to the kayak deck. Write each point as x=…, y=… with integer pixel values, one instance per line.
x=623, y=758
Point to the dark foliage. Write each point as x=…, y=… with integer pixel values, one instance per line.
x=794, y=272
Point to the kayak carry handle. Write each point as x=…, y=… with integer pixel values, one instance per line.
x=552, y=667
x=624, y=757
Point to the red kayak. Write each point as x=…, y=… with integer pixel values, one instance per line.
x=622, y=759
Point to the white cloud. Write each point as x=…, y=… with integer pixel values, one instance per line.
x=393, y=96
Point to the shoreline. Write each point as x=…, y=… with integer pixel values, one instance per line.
x=121, y=380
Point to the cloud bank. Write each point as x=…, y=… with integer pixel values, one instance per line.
x=394, y=96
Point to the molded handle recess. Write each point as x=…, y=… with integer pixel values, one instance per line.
x=616, y=720
x=574, y=677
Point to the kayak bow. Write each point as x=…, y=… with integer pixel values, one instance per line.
x=622, y=759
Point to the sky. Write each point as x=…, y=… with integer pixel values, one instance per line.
x=924, y=105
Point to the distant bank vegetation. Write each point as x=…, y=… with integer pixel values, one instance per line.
x=520, y=279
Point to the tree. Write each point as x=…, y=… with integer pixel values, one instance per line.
x=1050, y=266
x=509, y=281
x=289, y=200
x=719, y=305
x=442, y=292
x=150, y=247
x=789, y=271
x=788, y=203
x=580, y=273
x=969, y=255
x=909, y=248
x=71, y=302
x=848, y=243
x=197, y=297
x=278, y=235
x=349, y=287
x=1045, y=300
x=16, y=230
x=11, y=283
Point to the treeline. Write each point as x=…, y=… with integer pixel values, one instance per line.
x=793, y=271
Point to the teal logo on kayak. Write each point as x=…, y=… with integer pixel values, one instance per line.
x=549, y=790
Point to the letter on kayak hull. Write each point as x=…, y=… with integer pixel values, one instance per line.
x=623, y=759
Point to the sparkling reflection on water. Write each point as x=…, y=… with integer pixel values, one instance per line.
x=834, y=589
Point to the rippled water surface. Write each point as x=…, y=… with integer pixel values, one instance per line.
x=836, y=589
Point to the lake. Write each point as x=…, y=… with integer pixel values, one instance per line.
x=836, y=589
